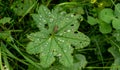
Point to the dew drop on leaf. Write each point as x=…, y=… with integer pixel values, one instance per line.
x=56, y=44
x=62, y=41
x=44, y=21
x=51, y=20
x=64, y=32
x=72, y=15
x=47, y=43
x=65, y=51
x=68, y=30
x=38, y=39
x=61, y=34
x=59, y=55
x=40, y=16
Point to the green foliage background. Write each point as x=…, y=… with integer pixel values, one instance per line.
x=72, y=34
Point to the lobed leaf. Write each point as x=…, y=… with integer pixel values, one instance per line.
x=5, y=20
x=22, y=7
x=82, y=62
x=6, y=35
x=58, y=33
x=79, y=63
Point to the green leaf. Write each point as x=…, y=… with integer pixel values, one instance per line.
x=82, y=62
x=5, y=20
x=116, y=34
x=79, y=63
x=91, y=20
x=116, y=23
x=58, y=33
x=22, y=7
x=106, y=15
x=77, y=10
x=105, y=28
x=116, y=54
x=117, y=10
x=6, y=35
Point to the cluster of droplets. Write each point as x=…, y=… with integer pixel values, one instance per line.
x=61, y=40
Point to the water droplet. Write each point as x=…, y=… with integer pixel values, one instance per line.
x=72, y=15
x=67, y=18
x=59, y=55
x=61, y=34
x=44, y=21
x=65, y=50
x=62, y=41
x=49, y=39
x=40, y=19
x=40, y=16
x=51, y=20
x=64, y=32
x=38, y=39
x=68, y=30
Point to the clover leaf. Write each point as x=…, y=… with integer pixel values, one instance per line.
x=116, y=23
x=58, y=33
x=91, y=20
x=106, y=15
x=104, y=27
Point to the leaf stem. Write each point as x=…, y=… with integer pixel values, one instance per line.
x=99, y=50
